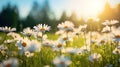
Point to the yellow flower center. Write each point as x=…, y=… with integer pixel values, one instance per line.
x=8, y=65
x=24, y=44
x=42, y=29
x=102, y=41
x=39, y=36
x=65, y=38
x=117, y=36
x=117, y=52
x=94, y=59
x=47, y=43
x=65, y=26
x=62, y=62
x=59, y=45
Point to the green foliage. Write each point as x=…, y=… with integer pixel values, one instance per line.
x=46, y=55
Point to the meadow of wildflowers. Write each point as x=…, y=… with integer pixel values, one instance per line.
x=67, y=47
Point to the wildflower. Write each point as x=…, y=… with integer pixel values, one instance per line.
x=90, y=41
x=94, y=57
x=60, y=32
x=47, y=43
x=42, y=28
x=14, y=35
x=28, y=54
x=79, y=52
x=65, y=38
x=27, y=31
x=76, y=31
x=85, y=49
x=2, y=47
x=58, y=45
x=7, y=29
x=40, y=36
x=101, y=41
x=35, y=46
x=23, y=44
x=66, y=26
x=27, y=45
x=11, y=62
x=116, y=51
x=110, y=23
x=71, y=50
x=62, y=61
x=116, y=35
x=9, y=41
x=83, y=27
x=106, y=29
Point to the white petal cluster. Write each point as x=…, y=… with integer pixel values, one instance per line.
x=61, y=61
x=11, y=62
x=7, y=29
x=41, y=28
x=94, y=57
x=66, y=26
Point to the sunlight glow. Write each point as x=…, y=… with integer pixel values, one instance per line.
x=87, y=8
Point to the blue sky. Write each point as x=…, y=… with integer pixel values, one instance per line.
x=81, y=7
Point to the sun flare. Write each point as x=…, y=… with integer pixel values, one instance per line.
x=87, y=8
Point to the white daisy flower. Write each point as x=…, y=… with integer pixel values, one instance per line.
x=47, y=43
x=40, y=36
x=27, y=45
x=28, y=54
x=7, y=29
x=65, y=38
x=2, y=47
x=9, y=41
x=85, y=49
x=27, y=31
x=79, y=52
x=14, y=35
x=58, y=45
x=116, y=51
x=60, y=32
x=106, y=29
x=62, y=61
x=66, y=26
x=116, y=35
x=71, y=50
x=35, y=46
x=101, y=41
x=76, y=31
x=110, y=23
x=23, y=45
x=83, y=27
x=42, y=28
x=11, y=62
x=94, y=57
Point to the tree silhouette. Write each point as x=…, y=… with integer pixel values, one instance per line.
x=63, y=17
x=107, y=13
x=81, y=21
x=9, y=16
x=73, y=18
x=33, y=17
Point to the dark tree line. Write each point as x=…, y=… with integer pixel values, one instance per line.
x=43, y=14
